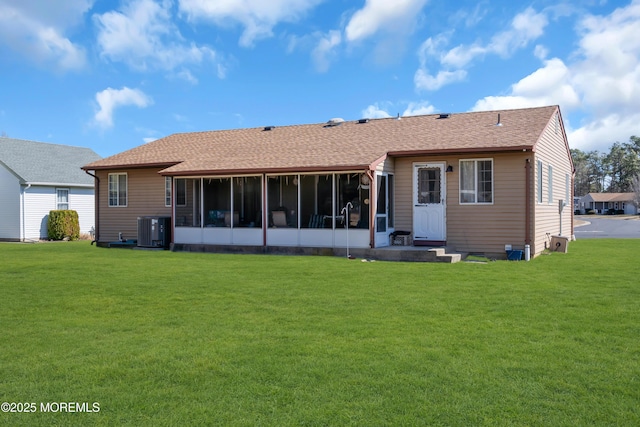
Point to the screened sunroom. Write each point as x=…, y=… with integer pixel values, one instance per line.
x=303, y=210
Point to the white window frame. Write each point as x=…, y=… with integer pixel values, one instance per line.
x=58, y=202
x=550, y=185
x=540, y=181
x=167, y=191
x=118, y=190
x=476, y=189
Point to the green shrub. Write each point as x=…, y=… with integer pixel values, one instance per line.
x=63, y=224
x=591, y=212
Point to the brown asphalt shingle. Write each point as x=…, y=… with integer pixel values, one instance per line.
x=350, y=145
x=611, y=197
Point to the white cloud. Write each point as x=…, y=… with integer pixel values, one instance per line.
x=602, y=84
x=324, y=51
x=422, y=79
x=143, y=36
x=374, y=111
x=598, y=133
x=186, y=75
x=607, y=75
x=418, y=109
x=541, y=52
x=37, y=30
x=525, y=27
x=110, y=99
x=376, y=15
x=380, y=110
x=549, y=85
x=608, y=71
x=425, y=81
x=148, y=140
x=258, y=17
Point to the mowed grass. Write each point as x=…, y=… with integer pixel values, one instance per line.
x=167, y=339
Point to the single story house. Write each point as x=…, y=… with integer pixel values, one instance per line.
x=474, y=182
x=36, y=178
x=603, y=203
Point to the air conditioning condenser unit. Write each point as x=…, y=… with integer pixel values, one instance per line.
x=154, y=231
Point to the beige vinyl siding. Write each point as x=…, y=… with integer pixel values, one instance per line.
x=482, y=228
x=387, y=166
x=145, y=197
x=551, y=151
x=487, y=228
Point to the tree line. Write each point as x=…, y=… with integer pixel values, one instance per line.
x=617, y=171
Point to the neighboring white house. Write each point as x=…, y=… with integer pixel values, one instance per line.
x=602, y=203
x=36, y=178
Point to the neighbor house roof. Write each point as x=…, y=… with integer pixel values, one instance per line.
x=348, y=145
x=610, y=197
x=50, y=164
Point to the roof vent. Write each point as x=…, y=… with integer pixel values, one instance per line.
x=335, y=122
x=499, y=122
x=363, y=121
x=268, y=128
x=444, y=116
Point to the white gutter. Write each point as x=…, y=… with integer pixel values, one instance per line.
x=59, y=184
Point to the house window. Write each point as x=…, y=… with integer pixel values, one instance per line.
x=167, y=191
x=181, y=192
x=117, y=189
x=62, y=198
x=539, y=181
x=550, y=185
x=476, y=181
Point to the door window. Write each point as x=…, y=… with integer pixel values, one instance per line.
x=429, y=185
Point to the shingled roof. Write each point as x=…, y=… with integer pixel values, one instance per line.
x=611, y=197
x=43, y=163
x=348, y=145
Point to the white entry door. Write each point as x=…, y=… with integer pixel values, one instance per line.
x=429, y=202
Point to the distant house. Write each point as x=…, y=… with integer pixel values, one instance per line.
x=474, y=182
x=36, y=178
x=603, y=203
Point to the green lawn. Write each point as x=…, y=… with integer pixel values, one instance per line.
x=168, y=339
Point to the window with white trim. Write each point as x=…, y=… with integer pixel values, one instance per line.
x=117, y=189
x=167, y=191
x=62, y=198
x=476, y=181
x=550, y=185
x=539, y=181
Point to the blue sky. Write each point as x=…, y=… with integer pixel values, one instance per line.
x=112, y=75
